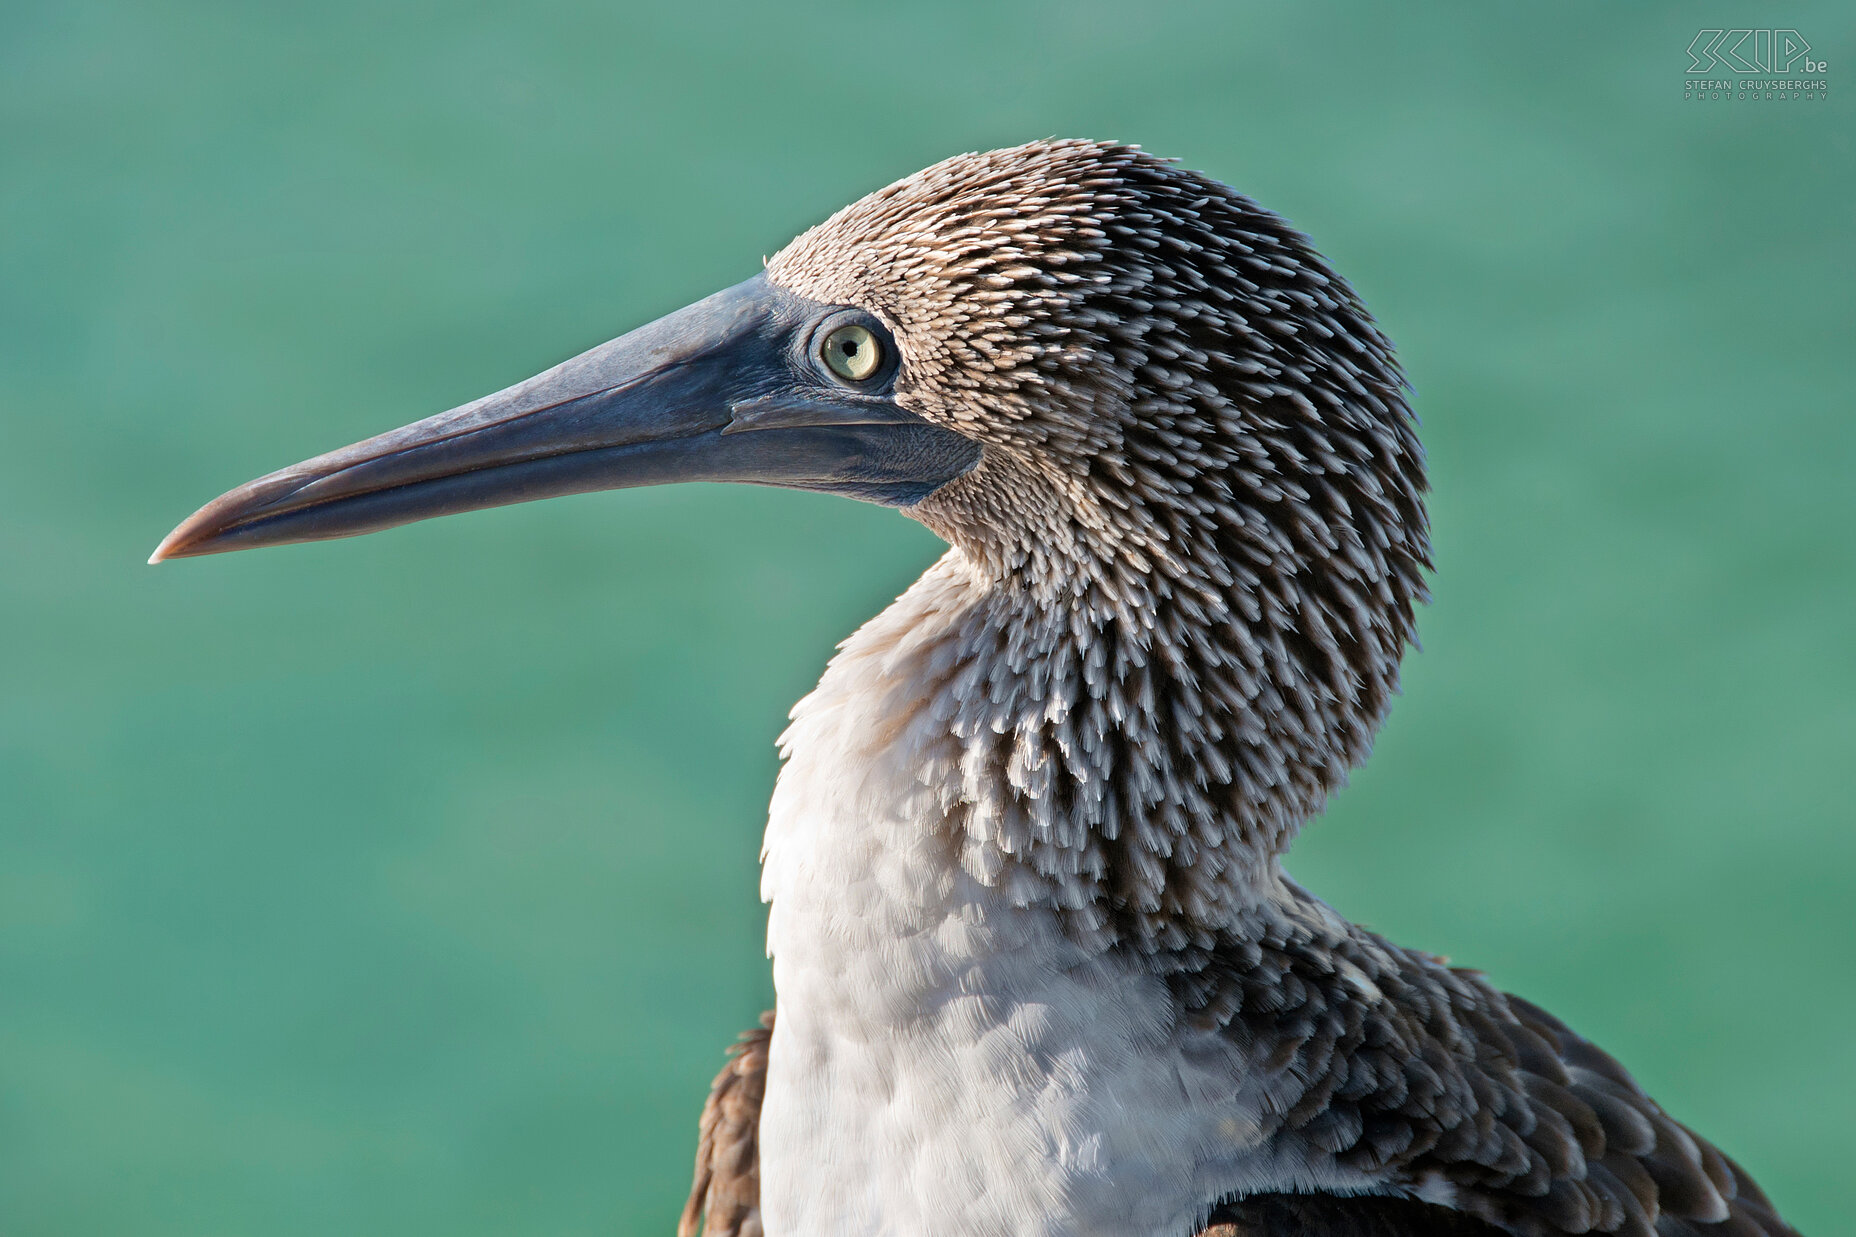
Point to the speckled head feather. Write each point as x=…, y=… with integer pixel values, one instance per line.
x=1198, y=512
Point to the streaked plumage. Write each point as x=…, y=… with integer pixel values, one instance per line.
x=1182, y=579
x=1039, y=970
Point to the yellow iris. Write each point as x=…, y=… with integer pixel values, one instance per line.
x=853, y=352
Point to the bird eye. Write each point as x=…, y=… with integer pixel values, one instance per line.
x=852, y=352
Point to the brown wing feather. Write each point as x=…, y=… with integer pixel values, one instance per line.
x=1390, y=1064
x=1683, y=1184
x=725, y=1196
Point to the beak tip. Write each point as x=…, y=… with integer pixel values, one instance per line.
x=176, y=544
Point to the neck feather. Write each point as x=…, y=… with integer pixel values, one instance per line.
x=1134, y=760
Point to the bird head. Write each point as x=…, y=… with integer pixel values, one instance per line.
x=1159, y=373
x=1120, y=389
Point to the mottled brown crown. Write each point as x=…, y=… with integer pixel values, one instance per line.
x=1200, y=485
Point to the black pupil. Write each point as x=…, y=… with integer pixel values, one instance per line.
x=850, y=347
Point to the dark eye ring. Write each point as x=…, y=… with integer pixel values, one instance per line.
x=852, y=351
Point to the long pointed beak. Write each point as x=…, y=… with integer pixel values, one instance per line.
x=723, y=390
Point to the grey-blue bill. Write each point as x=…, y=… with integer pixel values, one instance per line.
x=731, y=388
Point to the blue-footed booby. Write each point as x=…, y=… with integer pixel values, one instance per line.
x=1038, y=968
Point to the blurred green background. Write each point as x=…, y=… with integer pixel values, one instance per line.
x=407, y=885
